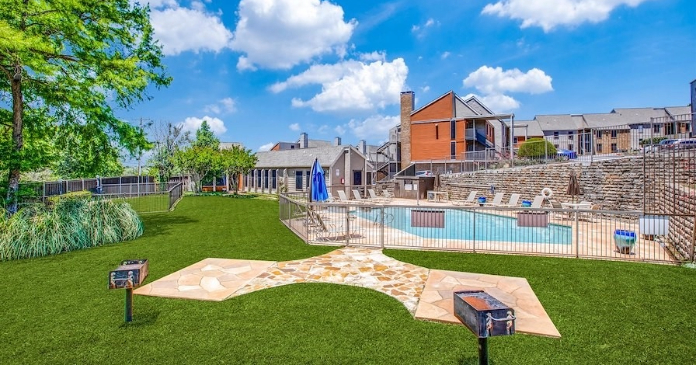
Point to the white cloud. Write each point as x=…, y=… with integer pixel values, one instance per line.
x=294, y=127
x=374, y=56
x=323, y=129
x=375, y=127
x=549, y=14
x=444, y=55
x=351, y=85
x=491, y=80
x=340, y=130
x=420, y=30
x=495, y=82
x=191, y=124
x=267, y=147
x=279, y=34
x=181, y=29
x=154, y=4
x=425, y=89
x=498, y=103
x=226, y=105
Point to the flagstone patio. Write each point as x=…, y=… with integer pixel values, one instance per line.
x=426, y=293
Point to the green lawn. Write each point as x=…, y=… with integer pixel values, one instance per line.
x=58, y=310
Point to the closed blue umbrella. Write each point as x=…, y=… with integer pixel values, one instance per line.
x=318, y=189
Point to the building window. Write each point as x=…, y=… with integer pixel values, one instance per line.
x=555, y=135
x=570, y=135
x=453, y=150
x=309, y=178
x=614, y=134
x=514, y=140
x=258, y=178
x=298, y=180
x=614, y=148
x=599, y=147
x=656, y=128
x=292, y=147
x=570, y=147
x=437, y=131
x=599, y=134
x=556, y=145
x=453, y=129
x=274, y=178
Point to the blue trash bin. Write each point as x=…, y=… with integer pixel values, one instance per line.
x=526, y=203
x=482, y=200
x=624, y=241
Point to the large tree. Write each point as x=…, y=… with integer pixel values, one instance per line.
x=168, y=139
x=237, y=161
x=71, y=62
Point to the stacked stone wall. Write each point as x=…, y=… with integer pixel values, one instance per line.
x=615, y=185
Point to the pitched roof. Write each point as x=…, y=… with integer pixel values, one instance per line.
x=639, y=115
x=477, y=106
x=530, y=128
x=299, y=157
x=605, y=120
x=560, y=122
x=678, y=110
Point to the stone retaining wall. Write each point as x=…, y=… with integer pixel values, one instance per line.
x=612, y=185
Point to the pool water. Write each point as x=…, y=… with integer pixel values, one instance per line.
x=459, y=224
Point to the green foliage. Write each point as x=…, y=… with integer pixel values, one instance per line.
x=199, y=162
x=205, y=137
x=63, y=65
x=537, y=147
x=651, y=141
x=236, y=162
x=74, y=222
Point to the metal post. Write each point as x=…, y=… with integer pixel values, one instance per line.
x=483, y=350
x=473, y=230
x=129, y=305
x=512, y=145
x=347, y=225
x=381, y=232
x=693, y=242
x=577, y=234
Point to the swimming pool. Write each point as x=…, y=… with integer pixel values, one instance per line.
x=459, y=224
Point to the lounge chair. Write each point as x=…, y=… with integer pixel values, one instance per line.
x=342, y=196
x=561, y=213
x=538, y=200
x=497, y=200
x=330, y=198
x=375, y=198
x=358, y=198
x=470, y=200
x=514, y=198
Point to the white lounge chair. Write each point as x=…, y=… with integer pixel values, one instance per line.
x=376, y=198
x=514, y=198
x=470, y=200
x=358, y=198
x=497, y=200
x=342, y=196
x=538, y=200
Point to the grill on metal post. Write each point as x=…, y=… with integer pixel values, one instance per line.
x=485, y=316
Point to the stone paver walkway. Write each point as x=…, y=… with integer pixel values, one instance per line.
x=426, y=293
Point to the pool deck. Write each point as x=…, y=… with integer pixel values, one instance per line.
x=426, y=293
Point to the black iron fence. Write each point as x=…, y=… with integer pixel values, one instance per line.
x=578, y=231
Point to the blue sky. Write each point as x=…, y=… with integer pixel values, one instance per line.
x=262, y=71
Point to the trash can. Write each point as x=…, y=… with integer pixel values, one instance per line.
x=526, y=203
x=482, y=200
x=624, y=241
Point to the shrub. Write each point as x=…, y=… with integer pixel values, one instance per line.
x=536, y=147
x=73, y=223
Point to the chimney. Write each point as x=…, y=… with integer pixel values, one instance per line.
x=407, y=106
x=337, y=141
x=304, y=140
x=362, y=147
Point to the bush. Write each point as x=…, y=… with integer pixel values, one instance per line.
x=537, y=147
x=73, y=223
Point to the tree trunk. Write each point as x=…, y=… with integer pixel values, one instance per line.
x=17, y=141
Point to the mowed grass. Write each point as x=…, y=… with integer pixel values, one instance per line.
x=57, y=309
x=148, y=203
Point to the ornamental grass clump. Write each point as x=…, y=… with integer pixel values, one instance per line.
x=69, y=223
